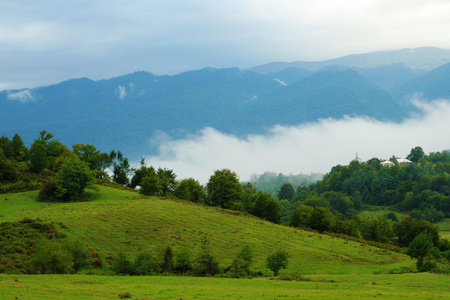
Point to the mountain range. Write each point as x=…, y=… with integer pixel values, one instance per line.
x=126, y=113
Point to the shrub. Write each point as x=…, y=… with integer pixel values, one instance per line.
x=51, y=258
x=82, y=257
x=144, y=264
x=183, y=262
x=121, y=264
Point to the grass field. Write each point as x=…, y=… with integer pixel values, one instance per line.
x=385, y=286
x=444, y=228
x=118, y=220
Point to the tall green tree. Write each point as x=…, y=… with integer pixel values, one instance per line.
x=7, y=172
x=286, y=192
x=38, y=156
x=277, y=261
x=190, y=189
x=224, y=190
x=73, y=178
x=121, y=167
x=419, y=248
x=150, y=184
x=96, y=160
x=415, y=154
x=20, y=151
x=241, y=265
x=167, y=181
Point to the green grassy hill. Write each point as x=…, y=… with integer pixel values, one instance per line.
x=119, y=220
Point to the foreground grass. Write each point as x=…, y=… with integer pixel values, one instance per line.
x=402, y=286
x=118, y=220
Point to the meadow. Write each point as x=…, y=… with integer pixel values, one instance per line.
x=122, y=220
x=386, y=286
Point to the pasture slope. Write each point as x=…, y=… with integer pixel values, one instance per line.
x=120, y=220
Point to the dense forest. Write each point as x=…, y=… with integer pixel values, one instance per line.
x=418, y=187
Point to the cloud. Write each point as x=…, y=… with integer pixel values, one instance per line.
x=307, y=148
x=121, y=91
x=49, y=41
x=21, y=96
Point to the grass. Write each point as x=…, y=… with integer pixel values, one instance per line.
x=444, y=228
x=403, y=286
x=120, y=220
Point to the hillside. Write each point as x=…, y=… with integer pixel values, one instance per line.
x=124, y=220
x=127, y=112
x=431, y=85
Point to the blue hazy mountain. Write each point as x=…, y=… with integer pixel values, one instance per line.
x=128, y=112
x=431, y=85
x=424, y=58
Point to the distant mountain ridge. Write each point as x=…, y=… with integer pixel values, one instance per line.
x=128, y=112
x=424, y=58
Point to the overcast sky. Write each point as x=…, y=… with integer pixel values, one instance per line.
x=45, y=42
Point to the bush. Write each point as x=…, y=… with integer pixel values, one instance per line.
x=51, y=258
x=121, y=264
x=47, y=193
x=82, y=257
x=183, y=262
x=144, y=264
x=427, y=266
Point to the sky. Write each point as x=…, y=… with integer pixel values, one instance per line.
x=48, y=41
x=308, y=148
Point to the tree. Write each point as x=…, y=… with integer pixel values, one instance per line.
x=150, y=184
x=140, y=173
x=121, y=264
x=190, y=189
x=73, y=178
x=419, y=248
x=38, y=156
x=7, y=172
x=183, y=261
x=168, y=259
x=415, y=154
x=6, y=146
x=20, y=151
x=166, y=181
x=266, y=207
x=320, y=219
x=96, y=160
x=224, y=189
x=301, y=216
x=81, y=256
x=240, y=267
x=286, y=192
x=409, y=228
x=144, y=264
x=206, y=263
x=121, y=167
x=277, y=261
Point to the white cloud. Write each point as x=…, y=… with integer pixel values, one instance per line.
x=21, y=96
x=312, y=147
x=121, y=91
